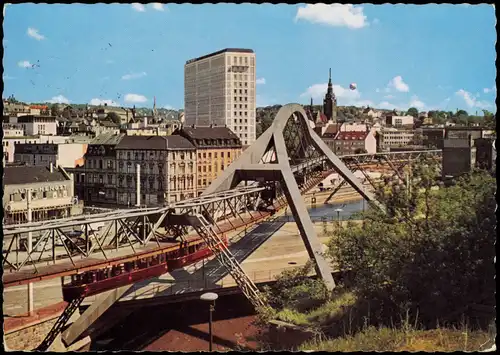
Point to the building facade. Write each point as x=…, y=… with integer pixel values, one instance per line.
x=35, y=125
x=430, y=137
x=216, y=148
x=459, y=156
x=50, y=189
x=347, y=143
x=95, y=180
x=388, y=138
x=399, y=121
x=67, y=155
x=166, y=174
x=219, y=89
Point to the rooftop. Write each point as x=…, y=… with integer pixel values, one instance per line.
x=107, y=138
x=351, y=135
x=234, y=50
x=17, y=175
x=154, y=143
x=207, y=132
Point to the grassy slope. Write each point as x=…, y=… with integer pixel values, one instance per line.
x=339, y=313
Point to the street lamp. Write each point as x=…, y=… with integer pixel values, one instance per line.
x=338, y=210
x=210, y=297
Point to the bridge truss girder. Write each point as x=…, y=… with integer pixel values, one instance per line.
x=133, y=229
x=391, y=166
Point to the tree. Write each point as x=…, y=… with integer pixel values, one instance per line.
x=55, y=110
x=462, y=113
x=431, y=253
x=412, y=111
x=114, y=117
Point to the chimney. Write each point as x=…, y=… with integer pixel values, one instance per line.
x=138, y=182
x=211, y=125
x=51, y=167
x=193, y=126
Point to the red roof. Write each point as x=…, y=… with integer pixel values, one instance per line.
x=331, y=130
x=351, y=135
x=323, y=117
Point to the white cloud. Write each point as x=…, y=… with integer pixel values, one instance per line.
x=376, y=21
x=110, y=61
x=260, y=81
x=471, y=101
x=59, y=99
x=7, y=77
x=133, y=76
x=168, y=107
x=387, y=105
x=317, y=91
x=336, y=15
x=158, y=6
x=488, y=90
x=138, y=7
x=377, y=90
x=415, y=102
x=33, y=33
x=388, y=96
x=398, y=84
x=134, y=98
x=100, y=102
x=25, y=64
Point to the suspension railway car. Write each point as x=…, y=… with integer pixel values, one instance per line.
x=97, y=281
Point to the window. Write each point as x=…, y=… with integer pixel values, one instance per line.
x=101, y=179
x=110, y=179
x=23, y=196
x=44, y=194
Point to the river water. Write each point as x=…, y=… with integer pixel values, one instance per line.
x=328, y=211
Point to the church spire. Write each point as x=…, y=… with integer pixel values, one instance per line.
x=330, y=86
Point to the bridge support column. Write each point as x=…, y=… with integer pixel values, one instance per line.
x=306, y=229
x=91, y=314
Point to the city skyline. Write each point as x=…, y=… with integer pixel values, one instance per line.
x=399, y=56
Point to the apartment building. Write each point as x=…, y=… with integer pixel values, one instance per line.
x=95, y=180
x=219, y=89
x=50, y=189
x=388, y=138
x=216, y=148
x=166, y=173
x=347, y=143
x=34, y=125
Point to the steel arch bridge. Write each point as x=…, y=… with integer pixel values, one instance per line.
x=286, y=150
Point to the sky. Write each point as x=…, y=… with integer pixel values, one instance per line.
x=399, y=56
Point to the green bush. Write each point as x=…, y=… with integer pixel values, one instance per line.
x=432, y=253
